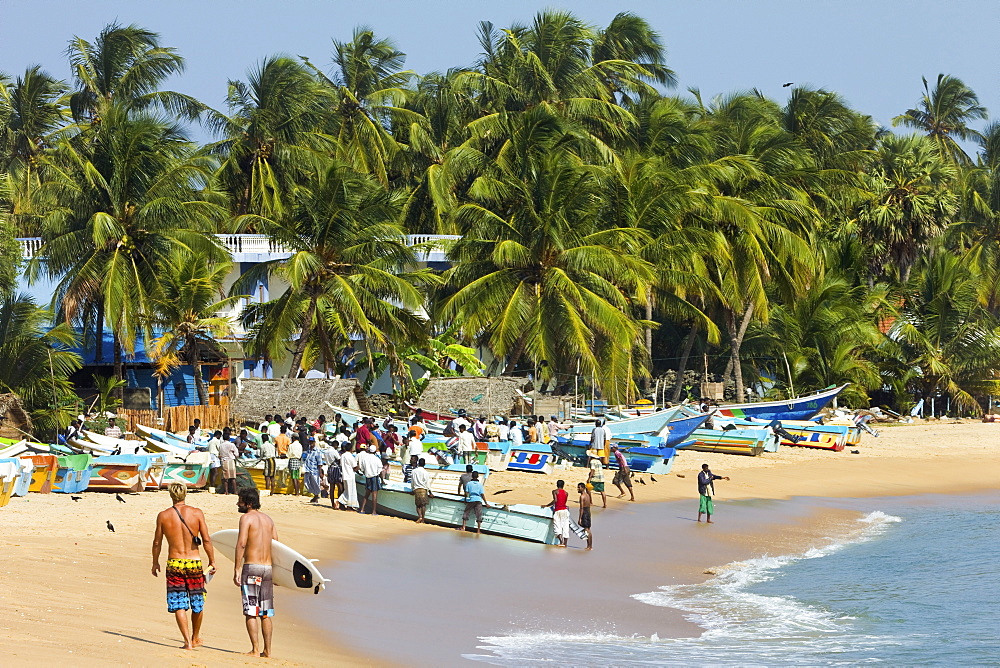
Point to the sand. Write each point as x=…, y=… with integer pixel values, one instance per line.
x=74, y=591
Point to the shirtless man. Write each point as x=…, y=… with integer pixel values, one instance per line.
x=184, y=528
x=252, y=572
x=584, y=519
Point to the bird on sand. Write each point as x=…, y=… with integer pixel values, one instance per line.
x=111, y=527
x=119, y=497
x=76, y=498
x=855, y=452
x=651, y=477
x=502, y=491
x=786, y=85
x=641, y=481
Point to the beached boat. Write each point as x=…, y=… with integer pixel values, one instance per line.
x=644, y=453
x=152, y=473
x=804, y=433
x=25, y=467
x=800, y=408
x=72, y=473
x=9, y=473
x=645, y=424
x=525, y=522
x=498, y=455
x=14, y=449
x=429, y=415
x=44, y=473
x=117, y=473
x=118, y=446
x=442, y=479
x=751, y=442
x=532, y=457
x=192, y=471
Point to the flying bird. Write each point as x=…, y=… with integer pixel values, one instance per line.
x=76, y=498
x=119, y=497
x=786, y=85
x=111, y=527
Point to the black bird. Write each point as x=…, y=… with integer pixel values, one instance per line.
x=641, y=481
x=502, y=491
x=651, y=477
x=786, y=85
x=119, y=497
x=76, y=498
x=855, y=452
x=111, y=527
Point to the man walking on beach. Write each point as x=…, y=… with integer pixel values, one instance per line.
x=185, y=529
x=466, y=444
x=370, y=467
x=596, y=476
x=560, y=513
x=228, y=452
x=623, y=476
x=252, y=569
x=475, y=499
x=420, y=483
x=584, y=520
x=268, y=455
x=312, y=466
x=706, y=490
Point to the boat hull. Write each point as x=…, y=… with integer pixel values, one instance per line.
x=190, y=474
x=800, y=408
x=73, y=474
x=729, y=442
x=532, y=457
x=447, y=510
x=44, y=473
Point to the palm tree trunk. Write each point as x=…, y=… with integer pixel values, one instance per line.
x=199, y=381
x=735, y=343
x=739, y=338
x=649, y=342
x=300, y=346
x=515, y=356
x=682, y=367
x=99, y=333
x=324, y=343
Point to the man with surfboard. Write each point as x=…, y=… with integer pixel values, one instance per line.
x=252, y=572
x=185, y=529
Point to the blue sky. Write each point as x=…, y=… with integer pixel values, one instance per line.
x=873, y=52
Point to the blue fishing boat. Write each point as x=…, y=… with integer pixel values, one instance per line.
x=644, y=453
x=800, y=408
x=533, y=457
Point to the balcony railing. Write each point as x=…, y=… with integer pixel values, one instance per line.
x=241, y=244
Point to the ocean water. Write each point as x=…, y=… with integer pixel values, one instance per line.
x=916, y=582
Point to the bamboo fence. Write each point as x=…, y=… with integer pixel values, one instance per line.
x=176, y=418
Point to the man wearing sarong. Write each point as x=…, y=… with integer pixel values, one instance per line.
x=348, y=466
x=706, y=490
x=252, y=571
x=185, y=529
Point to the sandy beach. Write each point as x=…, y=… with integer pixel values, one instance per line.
x=74, y=591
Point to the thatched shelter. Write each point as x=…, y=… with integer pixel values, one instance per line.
x=308, y=396
x=500, y=395
x=14, y=420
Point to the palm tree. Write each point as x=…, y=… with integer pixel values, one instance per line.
x=346, y=277
x=117, y=210
x=36, y=361
x=944, y=114
x=187, y=313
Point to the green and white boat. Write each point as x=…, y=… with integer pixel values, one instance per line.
x=525, y=522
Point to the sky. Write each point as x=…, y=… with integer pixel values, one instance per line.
x=872, y=52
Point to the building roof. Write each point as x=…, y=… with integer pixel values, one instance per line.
x=500, y=395
x=308, y=396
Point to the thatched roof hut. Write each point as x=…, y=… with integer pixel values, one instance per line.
x=14, y=420
x=488, y=396
x=308, y=396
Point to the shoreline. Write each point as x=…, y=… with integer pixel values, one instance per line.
x=88, y=595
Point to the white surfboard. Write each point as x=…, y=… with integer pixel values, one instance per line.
x=289, y=568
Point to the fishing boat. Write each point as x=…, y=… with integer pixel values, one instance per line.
x=644, y=453
x=645, y=424
x=44, y=473
x=429, y=415
x=751, y=442
x=152, y=473
x=110, y=444
x=72, y=473
x=805, y=434
x=525, y=522
x=800, y=408
x=498, y=455
x=117, y=473
x=14, y=449
x=443, y=479
x=674, y=432
x=532, y=457
x=9, y=473
x=192, y=471
x=25, y=467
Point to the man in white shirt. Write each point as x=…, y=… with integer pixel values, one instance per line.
x=370, y=467
x=348, y=467
x=228, y=452
x=460, y=420
x=414, y=447
x=504, y=430
x=466, y=444
x=273, y=429
x=420, y=482
x=268, y=455
x=213, y=452
x=516, y=435
x=295, y=464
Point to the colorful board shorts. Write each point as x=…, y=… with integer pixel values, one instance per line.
x=185, y=585
x=270, y=466
x=295, y=468
x=706, y=505
x=258, y=590
x=598, y=486
x=623, y=478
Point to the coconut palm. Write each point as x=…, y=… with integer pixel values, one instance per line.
x=191, y=296
x=944, y=115
x=347, y=274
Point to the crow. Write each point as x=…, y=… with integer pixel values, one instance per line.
x=641, y=481
x=651, y=477
x=119, y=497
x=111, y=527
x=855, y=452
x=76, y=498
x=786, y=85
x=502, y=491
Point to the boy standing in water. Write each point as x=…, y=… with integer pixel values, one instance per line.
x=706, y=489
